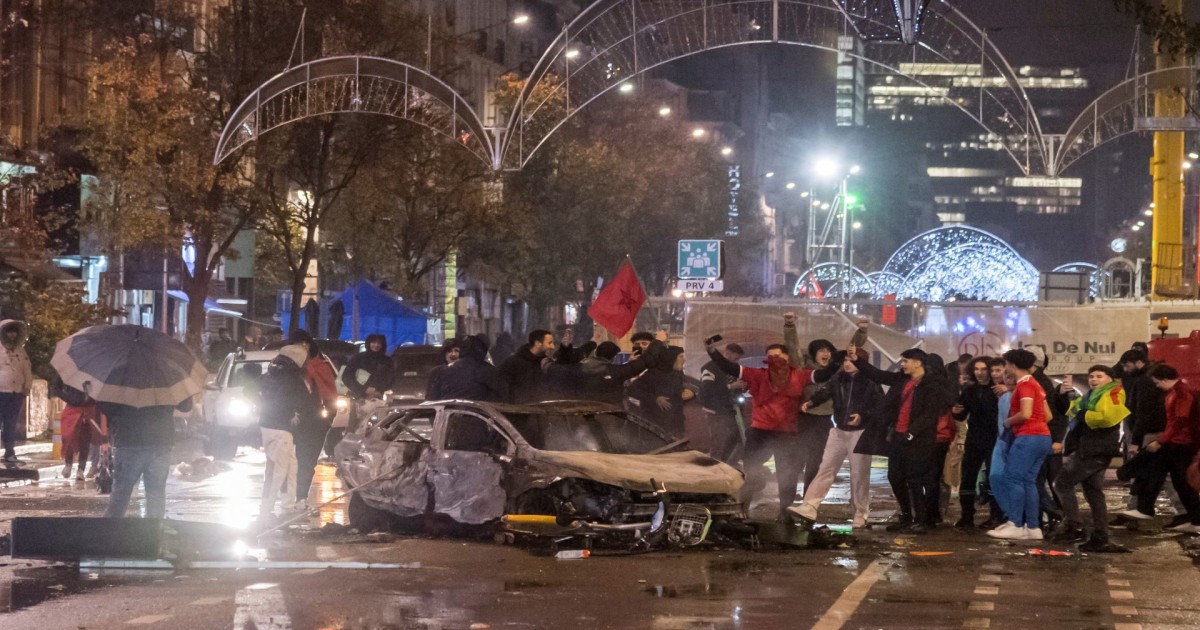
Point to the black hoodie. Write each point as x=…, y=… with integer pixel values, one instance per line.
x=376, y=370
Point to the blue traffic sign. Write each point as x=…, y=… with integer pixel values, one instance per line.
x=700, y=259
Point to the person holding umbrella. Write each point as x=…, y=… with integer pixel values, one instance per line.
x=138, y=377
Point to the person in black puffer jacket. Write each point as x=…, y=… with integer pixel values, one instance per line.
x=285, y=404
x=471, y=377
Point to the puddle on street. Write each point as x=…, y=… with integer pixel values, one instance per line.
x=516, y=586
x=689, y=591
x=31, y=587
x=845, y=563
x=742, y=567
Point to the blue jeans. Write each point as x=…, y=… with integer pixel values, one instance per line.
x=11, y=405
x=151, y=464
x=1017, y=491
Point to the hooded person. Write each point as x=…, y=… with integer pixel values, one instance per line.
x=596, y=377
x=369, y=373
x=661, y=391
x=285, y=405
x=451, y=350
x=321, y=379
x=470, y=377
x=16, y=380
x=717, y=395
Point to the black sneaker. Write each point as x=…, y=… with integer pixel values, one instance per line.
x=1179, y=519
x=918, y=528
x=899, y=525
x=965, y=524
x=1121, y=521
x=11, y=459
x=1102, y=546
x=1068, y=534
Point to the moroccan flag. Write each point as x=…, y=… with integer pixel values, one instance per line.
x=619, y=301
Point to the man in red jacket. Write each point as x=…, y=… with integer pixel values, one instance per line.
x=776, y=391
x=1173, y=450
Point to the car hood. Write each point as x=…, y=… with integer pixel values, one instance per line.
x=689, y=471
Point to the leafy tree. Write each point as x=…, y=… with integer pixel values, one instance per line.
x=1172, y=29
x=53, y=311
x=617, y=179
x=158, y=98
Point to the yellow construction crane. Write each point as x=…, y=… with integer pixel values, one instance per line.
x=1166, y=167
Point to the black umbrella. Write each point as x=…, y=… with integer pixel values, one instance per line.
x=129, y=365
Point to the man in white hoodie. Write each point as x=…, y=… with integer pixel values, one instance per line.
x=16, y=379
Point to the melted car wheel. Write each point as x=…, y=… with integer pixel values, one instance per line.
x=367, y=519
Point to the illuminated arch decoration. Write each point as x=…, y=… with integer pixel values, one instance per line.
x=826, y=279
x=921, y=247
x=1118, y=112
x=885, y=283
x=982, y=272
x=367, y=85
x=612, y=41
x=1096, y=280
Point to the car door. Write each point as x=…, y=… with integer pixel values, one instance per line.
x=212, y=391
x=467, y=471
x=395, y=452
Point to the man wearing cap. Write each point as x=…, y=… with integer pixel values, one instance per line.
x=914, y=403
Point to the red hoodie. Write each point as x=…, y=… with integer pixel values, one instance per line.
x=1181, y=417
x=773, y=410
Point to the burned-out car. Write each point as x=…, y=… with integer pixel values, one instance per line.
x=566, y=464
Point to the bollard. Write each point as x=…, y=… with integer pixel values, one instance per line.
x=56, y=437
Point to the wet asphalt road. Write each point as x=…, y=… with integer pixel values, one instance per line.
x=944, y=580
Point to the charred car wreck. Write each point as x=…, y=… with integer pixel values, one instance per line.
x=563, y=469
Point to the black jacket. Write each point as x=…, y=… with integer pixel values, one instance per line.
x=715, y=395
x=377, y=366
x=1146, y=403
x=283, y=396
x=469, y=378
x=1059, y=403
x=594, y=378
x=981, y=411
x=932, y=397
x=145, y=427
x=1087, y=443
x=523, y=376
x=852, y=394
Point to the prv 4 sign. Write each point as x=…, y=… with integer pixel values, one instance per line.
x=701, y=260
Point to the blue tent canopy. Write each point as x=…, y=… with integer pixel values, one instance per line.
x=379, y=313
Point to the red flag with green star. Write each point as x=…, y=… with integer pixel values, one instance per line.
x=619, y=301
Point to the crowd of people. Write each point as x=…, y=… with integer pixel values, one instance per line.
x=996, y=427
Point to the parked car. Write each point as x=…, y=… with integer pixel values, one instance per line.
x=413, y=365
x=567, y=461
x=230, y=415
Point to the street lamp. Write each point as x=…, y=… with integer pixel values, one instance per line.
x=829, y=168
x=790, y=185
x=626, y=88
x=572, y=53
x=520, y=19
x=664, y=111
x=698, y=132
x=727, y=151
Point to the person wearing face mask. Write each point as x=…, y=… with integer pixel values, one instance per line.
x=776, y=391
x=816, y=421
x=16, y=379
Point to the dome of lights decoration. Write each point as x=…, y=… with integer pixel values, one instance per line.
x=947, y=263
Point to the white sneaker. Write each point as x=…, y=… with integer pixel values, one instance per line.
x=66, y=471
x=1186, y=528
x=1008, y=531
x=1033, y=533
x=860, y=523
x=1141, y=516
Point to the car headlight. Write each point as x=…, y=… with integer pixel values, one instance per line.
x=342, y=403
x=238, y=408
